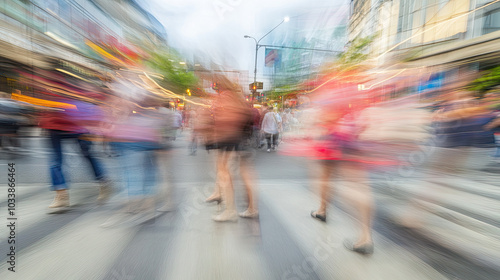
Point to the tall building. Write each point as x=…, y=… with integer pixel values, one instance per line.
x=73, y=42
x=446, y=40
x=313, y=38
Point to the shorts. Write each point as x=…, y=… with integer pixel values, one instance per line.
x=228, y=147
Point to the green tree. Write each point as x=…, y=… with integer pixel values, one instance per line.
x=486, y=82
x=175, y=76
x=356, y=53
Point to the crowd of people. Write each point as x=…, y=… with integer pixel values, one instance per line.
x=139, y=127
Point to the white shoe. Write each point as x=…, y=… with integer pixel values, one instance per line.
x=249, y=214
x=226, y=216
x=268, y=150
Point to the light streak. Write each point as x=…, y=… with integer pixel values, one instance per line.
x=385, y=80
x=72, y=74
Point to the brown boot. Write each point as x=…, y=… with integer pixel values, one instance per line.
x=61, y=200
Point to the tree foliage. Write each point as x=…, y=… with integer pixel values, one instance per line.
x=486, y=82
x=176, y=77
x=356, y=53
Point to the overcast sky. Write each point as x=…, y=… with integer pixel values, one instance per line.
x=216, y=27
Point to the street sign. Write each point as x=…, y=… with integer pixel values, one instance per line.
x=258, y=85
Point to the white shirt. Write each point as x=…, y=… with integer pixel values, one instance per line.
x=270, y=123
x=177, y=119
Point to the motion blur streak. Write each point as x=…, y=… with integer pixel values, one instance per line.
x=190, y=139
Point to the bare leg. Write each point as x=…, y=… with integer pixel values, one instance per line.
x=359, y=194
x=247, y=173
x=227, y=183
x=327, y=168
x=216, y=195
x=229, y=213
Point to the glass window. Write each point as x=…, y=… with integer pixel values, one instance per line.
x=491, y=21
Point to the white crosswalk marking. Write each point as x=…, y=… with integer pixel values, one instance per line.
x=79, y=250
x=321, y=243
x=204, y=249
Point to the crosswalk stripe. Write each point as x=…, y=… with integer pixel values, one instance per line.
x=322, y=242
x=79, y=250
x=205, y=249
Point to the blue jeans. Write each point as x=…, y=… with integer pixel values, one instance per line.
x=137, y=161
x=56, y=173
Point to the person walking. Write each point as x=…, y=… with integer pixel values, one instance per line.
x=69, y=124
x=271, y=124
x=232, y=121
x=134, y=129
x=332, y=125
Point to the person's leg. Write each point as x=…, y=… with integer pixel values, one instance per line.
x=132, y=164
x=275, y=140
x=56, y=174
x=229, y=214
x=248, y=176
x=256, y=137
x=327, y=169
x=105, y=188
x=85, y=147
x=194, y=143
x=358, y=193
x=216, y=195
x=58, y=182
x=149, y=183
x=497, y=144
x=150, y=172
x=268, y=139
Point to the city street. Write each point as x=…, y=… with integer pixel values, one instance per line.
x=381, y=121
x=284, y=243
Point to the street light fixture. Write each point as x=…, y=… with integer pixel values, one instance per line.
x=257, y=46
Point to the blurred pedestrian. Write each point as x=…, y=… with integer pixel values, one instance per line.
x=134, y=128
x=177, y=123
x=256, y=126
x=271, y=125
x=194, y=125
x=232, y=119
x=339, y=151
x=69, y=124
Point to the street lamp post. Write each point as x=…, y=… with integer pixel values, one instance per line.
x=257, y=46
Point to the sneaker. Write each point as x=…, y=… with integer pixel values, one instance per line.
x=249, y=214
x=226, y=216
x=61, y=200
x=268, y=150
